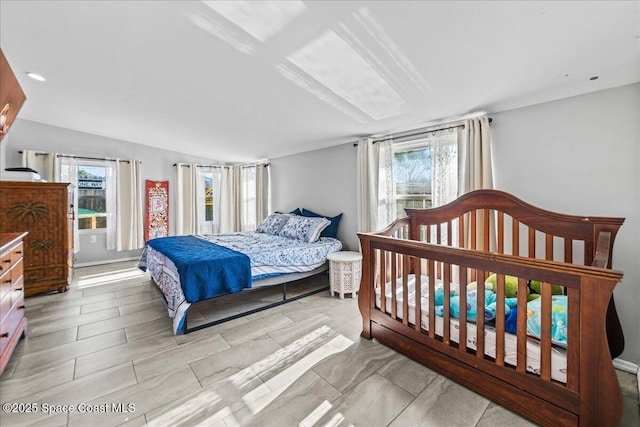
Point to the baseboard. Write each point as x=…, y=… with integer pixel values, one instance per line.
x=109, y=261
x=623, y=365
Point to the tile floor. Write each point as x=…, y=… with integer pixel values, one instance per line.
x=105, y=349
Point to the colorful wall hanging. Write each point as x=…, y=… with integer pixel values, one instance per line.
x=157, y=207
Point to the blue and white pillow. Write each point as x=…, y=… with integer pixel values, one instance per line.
x=332, y=229
x=273, y=223
x=306, y=229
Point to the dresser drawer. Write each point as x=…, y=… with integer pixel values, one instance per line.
x=5, y=306
x=10, y=277
x=11, y=298
x=9, y=324
x=5, y=283
x=10, y=257
x=17, y=292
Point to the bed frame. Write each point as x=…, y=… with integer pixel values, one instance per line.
x=572, y=251
x=260, y=284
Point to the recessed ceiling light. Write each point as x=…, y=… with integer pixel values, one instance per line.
x=593, y=78
x=37, y=77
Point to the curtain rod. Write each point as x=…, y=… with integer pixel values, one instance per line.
x=102, y=159
x=217, y=166
x=186, y=165
x=422, y=132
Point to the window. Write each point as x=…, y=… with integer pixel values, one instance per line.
x=425, y=171
x=208, y=196
x=248, y=207
x=412, y=178
x=92, y=197
x=207, y=192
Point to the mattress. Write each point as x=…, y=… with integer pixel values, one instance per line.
x=269, y=255
x=558, y=356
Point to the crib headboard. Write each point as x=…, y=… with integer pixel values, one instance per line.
x=496, y=221
x=514, y=223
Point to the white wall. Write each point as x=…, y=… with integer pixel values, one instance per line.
x=581, y=155
x=156, y=165
x=322, y=181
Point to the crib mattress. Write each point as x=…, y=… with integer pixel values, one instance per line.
x=558, y=356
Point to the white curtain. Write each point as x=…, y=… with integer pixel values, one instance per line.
x=68, y=172
x=263, y=192
x=444, y=167
x=207, y=176
x=476, y=170
x=386, y=185
x=46, y=164
x=111, y=196
x=474, y=151
x=228, y=205
x=254, y=190
x=186, y=202
x=375, y=185
x=129, y=223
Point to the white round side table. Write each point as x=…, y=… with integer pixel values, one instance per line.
x=345, y=271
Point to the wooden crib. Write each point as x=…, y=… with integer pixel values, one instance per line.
x=511, y=239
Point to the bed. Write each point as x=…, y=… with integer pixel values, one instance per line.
x=528, y=291
x=190, y=269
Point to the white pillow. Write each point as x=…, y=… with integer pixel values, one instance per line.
x=303, y=228
x=273, y=223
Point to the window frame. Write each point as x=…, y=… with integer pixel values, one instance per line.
x=92, y=163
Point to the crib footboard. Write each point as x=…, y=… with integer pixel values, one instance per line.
x=545, y=358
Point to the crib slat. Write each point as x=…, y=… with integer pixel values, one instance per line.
x=485, y=230
x=500, y=232
x=521, y=364
x=418, y=303
x=532, y=243
x=568, y=250
x=432, y=299
x=500, y=320
x=446, y=318
x=545, y=332
x=463, y=312
x=461, y=223
x=394, y=276
x=573, y=337
x=515, y=237
x=548, y=251
x=480, y=316
x=439, y=234
x=405, y=290
x=473, y=230
x=449, y=234
x=383, y=281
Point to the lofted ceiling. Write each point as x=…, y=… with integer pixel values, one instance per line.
x=242, y=81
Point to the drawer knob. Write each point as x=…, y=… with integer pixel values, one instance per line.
x=7, y=281
x=7, y=261
x=5, y=335
x=21, y=307
x=18, y=289
x=19, y=252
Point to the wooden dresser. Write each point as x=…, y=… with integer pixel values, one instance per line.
x=13, y=324
x=45, y=210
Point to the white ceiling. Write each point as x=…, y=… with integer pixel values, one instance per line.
x=207, y=78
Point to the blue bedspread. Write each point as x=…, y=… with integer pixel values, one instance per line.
x=206, y=269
